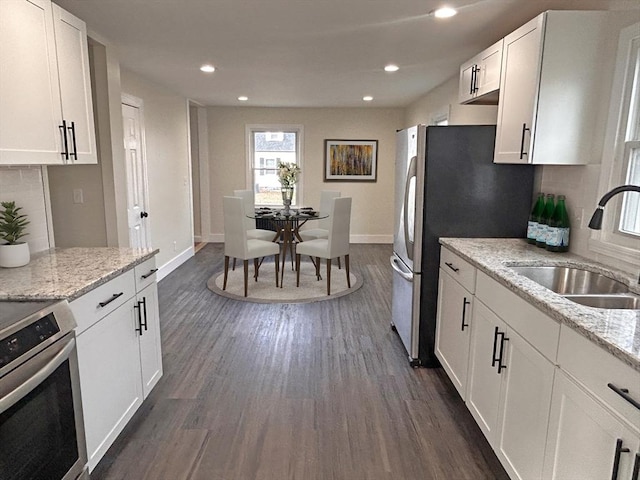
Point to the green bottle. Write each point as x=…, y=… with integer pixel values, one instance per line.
x=558, y=230
x=543, y=220
x=532, y=226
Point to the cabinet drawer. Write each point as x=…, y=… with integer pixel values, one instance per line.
x=538, y=329
x=461, y=270
x=595, y=368
x=145, y=273
x=87, y=309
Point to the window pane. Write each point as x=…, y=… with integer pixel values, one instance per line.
x=268, y=149
x=630, y=218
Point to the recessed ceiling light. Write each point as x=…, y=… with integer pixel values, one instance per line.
x=391, y=68
x=367, y=98
x=242, y=98
x=208, y=68
x=445, y=12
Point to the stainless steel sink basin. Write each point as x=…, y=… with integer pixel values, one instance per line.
x=621, y=301
x=572, y=281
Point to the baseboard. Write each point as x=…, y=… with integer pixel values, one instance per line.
x=174, y=263
x=197, y=238
x=215, y=238
x=371, y=239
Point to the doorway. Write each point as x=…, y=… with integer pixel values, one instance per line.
x=136, y=168
x=198, y=144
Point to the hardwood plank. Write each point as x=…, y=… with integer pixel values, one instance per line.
x=316, y=391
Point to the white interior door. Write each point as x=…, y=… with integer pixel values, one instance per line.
x=137, y=190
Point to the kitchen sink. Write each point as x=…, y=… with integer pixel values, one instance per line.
x=572, y=281
x=620, y=301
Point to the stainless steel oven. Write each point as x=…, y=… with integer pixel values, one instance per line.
x=41, y=424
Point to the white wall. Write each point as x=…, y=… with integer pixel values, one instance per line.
x=25, y=186
x=372, y=210
x=166, y=120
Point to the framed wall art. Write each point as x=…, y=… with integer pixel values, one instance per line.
x=350, y=160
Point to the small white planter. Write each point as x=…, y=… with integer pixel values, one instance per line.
x=14, y=255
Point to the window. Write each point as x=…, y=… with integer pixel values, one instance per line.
x=266, y=146
x=620, y=234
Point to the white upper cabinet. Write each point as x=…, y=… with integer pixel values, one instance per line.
x=45, y=91
x=550, y=89
x=480, y=77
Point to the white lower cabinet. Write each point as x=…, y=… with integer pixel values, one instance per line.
x=453, y=330
x=509, y=393
x=586, y=440
x=110, y=373
x=119, y=353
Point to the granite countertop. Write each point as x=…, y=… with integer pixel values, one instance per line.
x=618, y=331
x=68, y=273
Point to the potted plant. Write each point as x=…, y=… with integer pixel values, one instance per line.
x=13, y=253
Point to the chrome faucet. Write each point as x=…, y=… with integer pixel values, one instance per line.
x=596, y=219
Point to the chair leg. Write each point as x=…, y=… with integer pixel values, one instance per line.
x=256, y=266
x=339, y=265
x=277, y=258
x=328, y=276
x=226, y=271
x=246, y=276
x=317, y=268
x=297, y=269
x=346, y=267
x=234, y=264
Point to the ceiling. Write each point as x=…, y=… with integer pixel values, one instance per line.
x=305, y=53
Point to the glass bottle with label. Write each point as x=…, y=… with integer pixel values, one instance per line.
x=532, y=226
x=558, y=230
x=543, y=220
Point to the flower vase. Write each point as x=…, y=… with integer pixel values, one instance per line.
x=287, y=196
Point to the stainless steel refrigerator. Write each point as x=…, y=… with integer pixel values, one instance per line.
x=446, y=186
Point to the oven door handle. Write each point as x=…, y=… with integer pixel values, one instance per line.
x=37, y=378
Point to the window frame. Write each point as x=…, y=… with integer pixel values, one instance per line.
x=250, y=129
x=610, y=240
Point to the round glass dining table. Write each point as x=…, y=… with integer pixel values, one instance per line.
x=286, y=227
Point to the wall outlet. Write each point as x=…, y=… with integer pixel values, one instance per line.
x=175, y=246
x=78, y=195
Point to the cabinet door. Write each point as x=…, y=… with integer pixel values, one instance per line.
x=75, y=85
x=519, y=81
x=466, y=90
x=30, y=110
x=483, y=393
x=524, y=408
x=489, y=70
x=584, y=437
x=149, y=337
x=453, y=330
x=109, y=365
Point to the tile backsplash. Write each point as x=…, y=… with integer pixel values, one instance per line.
x=25, y=186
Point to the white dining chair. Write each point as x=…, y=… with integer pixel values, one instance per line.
x=238, y=245
x=322, y=230
x=250, y=223
x=334, y=246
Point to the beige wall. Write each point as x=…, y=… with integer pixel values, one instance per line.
x=166, y=120
x=372, y=210
x=443, y=100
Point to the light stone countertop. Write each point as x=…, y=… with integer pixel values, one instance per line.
x=618, y=331
x=68, y=273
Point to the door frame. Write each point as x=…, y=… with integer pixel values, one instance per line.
x=135, y=102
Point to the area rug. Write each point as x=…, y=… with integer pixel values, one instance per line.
x=265, y=291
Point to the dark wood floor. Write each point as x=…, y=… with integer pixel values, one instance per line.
x=319, y=391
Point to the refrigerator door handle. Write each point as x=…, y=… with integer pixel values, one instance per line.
x=408, y=276
x=411, y=173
